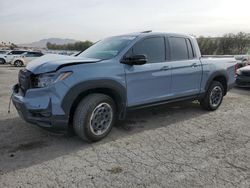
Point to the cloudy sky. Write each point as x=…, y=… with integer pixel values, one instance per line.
x=24, y=21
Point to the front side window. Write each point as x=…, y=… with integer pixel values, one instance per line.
x=107, y=48
x=153, y=48
x=178, y=48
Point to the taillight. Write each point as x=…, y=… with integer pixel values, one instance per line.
x=235, y=69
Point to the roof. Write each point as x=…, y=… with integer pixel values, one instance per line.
x=150, y=33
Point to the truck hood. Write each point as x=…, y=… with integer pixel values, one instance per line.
x=52, y=62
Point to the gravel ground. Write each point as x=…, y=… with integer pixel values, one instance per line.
x=178, y=145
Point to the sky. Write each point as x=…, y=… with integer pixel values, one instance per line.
x=23, y=21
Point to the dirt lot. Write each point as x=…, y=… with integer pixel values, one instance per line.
x=178, y=145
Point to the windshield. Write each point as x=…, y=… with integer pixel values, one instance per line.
x=107, y=48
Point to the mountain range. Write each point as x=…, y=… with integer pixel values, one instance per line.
x=42, y=43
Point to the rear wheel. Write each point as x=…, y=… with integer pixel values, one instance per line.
x=94, y=117
x=213, y=97
x=18, y=63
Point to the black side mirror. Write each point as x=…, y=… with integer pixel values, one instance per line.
x=135, y=60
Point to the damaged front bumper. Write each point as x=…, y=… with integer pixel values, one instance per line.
x=40, y=106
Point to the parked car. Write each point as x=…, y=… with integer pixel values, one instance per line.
x=8, y=57
x=243, y=77
x=89, y=92
x=242, y=60
x=25, y=58
x=2, y=54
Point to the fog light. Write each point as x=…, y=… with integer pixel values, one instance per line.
x=45, y=114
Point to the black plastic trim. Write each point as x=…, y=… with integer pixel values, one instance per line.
x=214, y=75
x=186, y=98
x=117, y=89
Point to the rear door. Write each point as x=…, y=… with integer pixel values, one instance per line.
x=186, y=67
x=149, y=82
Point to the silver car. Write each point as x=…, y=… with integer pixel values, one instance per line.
x=25, y=58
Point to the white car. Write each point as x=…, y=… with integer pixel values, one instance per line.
x=8, y=57
x=25, y=58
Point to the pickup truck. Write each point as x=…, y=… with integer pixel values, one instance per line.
x=89, y=92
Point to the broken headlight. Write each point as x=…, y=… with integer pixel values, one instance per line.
x=46, y=79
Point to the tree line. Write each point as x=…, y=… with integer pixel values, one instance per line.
x=78, y=46
x=228, y=44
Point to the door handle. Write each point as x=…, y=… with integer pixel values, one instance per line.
x=194, y=65
x=164, y=68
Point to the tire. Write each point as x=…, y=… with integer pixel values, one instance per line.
x=93, y=112
x=2, y=61
x=18, y=63
x=213, y=97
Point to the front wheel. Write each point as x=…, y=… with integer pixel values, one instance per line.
x=94, y=117
x=213, y=97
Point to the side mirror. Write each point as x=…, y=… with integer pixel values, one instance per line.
x=135, y=60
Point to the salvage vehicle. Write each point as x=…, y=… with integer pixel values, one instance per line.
x=8, y=57
x=243, y=77
x=87, y=93
x=25, y=58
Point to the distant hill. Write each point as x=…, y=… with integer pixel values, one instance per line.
x=42, y=43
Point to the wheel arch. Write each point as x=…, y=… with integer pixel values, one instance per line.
x=4, y=60
x=220, y=76
x=15, y=60
x=111, y=88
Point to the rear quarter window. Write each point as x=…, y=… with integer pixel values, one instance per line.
x=190, y=49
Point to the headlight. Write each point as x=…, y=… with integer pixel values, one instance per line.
x=45, y=80
x=238, y=72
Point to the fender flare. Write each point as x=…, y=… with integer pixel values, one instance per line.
x=77, y=90
x=214, y=75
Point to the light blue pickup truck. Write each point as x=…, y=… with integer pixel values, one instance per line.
x=89, y=92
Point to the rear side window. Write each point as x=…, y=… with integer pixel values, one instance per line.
x=153, y=48
x=33, y=54
x=178, y=48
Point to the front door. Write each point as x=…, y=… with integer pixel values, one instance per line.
x=150, y=82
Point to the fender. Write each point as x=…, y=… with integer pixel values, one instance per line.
x=214, y=75
x=118, y=90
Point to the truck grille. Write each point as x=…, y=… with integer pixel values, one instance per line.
x=24, y=80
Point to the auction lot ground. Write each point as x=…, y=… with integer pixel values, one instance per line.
x=178, y=145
